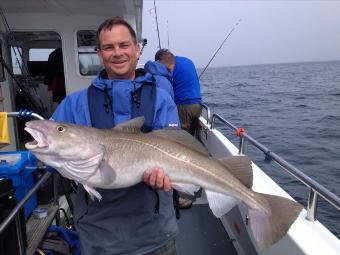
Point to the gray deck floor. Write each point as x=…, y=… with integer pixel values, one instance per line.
x=202, y=234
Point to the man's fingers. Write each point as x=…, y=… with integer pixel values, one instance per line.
x=152, y=178
x=159, y=178
x=167, y=184
x=146, y=176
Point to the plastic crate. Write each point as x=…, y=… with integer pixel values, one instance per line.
x=19, y=167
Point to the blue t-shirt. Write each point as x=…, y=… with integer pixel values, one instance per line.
x=185, y=82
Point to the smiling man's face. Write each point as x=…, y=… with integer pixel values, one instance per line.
x=118, y=52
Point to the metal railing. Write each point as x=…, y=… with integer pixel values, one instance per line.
x=13, y=215
x=25, y=114
x=17, y=208
x=316, y=189
x=207, y=109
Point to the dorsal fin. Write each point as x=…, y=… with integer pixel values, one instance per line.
x=182, y=137
x=240, y=167
x=131, y=126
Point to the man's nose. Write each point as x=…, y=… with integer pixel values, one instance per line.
x=117, y=51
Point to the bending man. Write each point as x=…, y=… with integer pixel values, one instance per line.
x=186, y=88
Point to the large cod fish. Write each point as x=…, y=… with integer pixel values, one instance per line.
x=118, y=157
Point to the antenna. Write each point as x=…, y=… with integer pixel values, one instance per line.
x=205, y=68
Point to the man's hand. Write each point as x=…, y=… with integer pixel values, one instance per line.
x=157, y=179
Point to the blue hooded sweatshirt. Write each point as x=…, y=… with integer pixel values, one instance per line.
x=161, y=74
x=126, y=220
x=185, y=82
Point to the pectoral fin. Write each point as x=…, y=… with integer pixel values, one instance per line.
x=108, y=174
x=80, y=169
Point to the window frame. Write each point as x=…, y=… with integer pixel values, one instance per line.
x=2, y=67
x=78, y=53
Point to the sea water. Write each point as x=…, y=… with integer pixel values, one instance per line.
x=294, y=110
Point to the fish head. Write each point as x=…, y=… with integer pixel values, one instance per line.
x=68, y=148
x=53, y=138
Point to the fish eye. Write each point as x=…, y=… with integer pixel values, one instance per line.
x=61, y=129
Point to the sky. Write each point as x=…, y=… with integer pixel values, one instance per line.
x=269, y=31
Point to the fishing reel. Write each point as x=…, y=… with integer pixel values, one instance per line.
x=144, y=43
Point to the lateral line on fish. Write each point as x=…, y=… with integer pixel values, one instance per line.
x=181, y=159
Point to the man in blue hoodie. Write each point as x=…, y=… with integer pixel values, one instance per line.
x=186, y=88
x=139, y=219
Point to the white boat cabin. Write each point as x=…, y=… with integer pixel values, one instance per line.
x=31, y=30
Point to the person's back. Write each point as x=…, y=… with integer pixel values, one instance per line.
x=185, y=82
x=186, y=87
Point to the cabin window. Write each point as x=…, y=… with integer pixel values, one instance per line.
x=16, y=55
x=89, y=63
x=38, y=61
x=39, y=54
x=2, y=71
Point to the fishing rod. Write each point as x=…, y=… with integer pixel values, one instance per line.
x=23, y=84
x=159, y=39
x=225, y=39
x=167, y=31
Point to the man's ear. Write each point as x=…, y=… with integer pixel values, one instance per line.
x=171, y=67
x=137, y=50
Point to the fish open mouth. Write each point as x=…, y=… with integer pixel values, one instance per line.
x=39, y=139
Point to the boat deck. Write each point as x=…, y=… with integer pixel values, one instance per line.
x=201, y=233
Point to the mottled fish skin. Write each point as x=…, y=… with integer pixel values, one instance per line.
x=118, y=158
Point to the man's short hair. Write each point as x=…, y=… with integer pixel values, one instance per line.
x=165, y=56
x=109, y=23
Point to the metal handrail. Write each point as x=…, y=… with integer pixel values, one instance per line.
x=14, y=212
x=206, y=107
x=315, y=188
x=22, y=202
x=25, y=114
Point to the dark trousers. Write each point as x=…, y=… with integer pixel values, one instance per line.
x=188, y=115
x=168, y=249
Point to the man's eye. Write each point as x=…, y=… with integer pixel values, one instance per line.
x=124, y=46
x=107, y=48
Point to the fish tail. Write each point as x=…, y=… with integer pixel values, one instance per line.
x=270, y=226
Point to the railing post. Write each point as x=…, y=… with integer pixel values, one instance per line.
x=206, y=107
x=312, y=205
x=241, y=146
x=17, y=222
